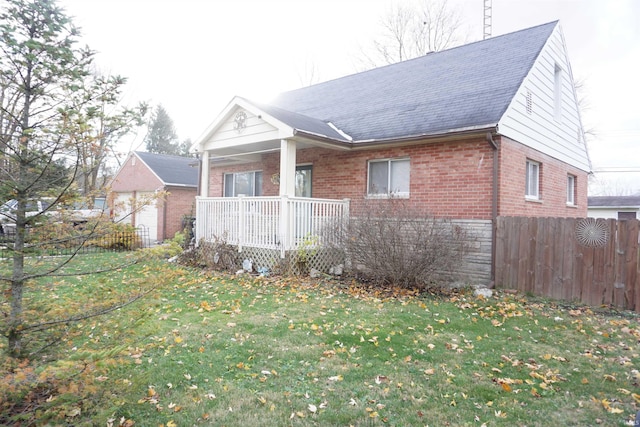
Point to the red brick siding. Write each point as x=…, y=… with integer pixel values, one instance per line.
x=553, y=184
x=179, y=202
x=136, y=177
x=448, y=179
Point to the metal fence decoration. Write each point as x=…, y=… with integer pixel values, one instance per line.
x=591, y=232
x=596, y=262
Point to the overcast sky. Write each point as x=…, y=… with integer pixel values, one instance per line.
x=193, y=56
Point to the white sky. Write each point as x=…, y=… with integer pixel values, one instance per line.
x=193, y=56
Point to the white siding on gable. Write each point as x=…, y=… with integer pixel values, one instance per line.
x=544, y=113
x=255, y=129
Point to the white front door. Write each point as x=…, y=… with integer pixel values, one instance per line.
x=303, y=181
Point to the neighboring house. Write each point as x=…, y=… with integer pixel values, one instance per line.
x=486, y=129
x=616, y=207
x=142, y=179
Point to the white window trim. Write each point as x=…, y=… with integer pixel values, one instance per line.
x=527, y=195
x=224, y=181
x=571, y=184
x=557, y=92
x=388, y=195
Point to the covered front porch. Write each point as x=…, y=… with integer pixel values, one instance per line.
x=274, y=213
x=278, y=223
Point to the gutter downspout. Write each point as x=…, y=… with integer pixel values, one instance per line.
x=164, y=215
x=494, y=205
x=199, y=173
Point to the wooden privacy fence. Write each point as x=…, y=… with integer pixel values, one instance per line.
x=594, y=261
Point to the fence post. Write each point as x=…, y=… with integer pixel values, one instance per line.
x=284, y=225
x=345, y=208
x=200, y=219
x=241, y=221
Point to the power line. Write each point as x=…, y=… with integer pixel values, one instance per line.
x=617, y=169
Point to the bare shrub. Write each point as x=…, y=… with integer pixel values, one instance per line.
x=217, y=255
x=392, y=243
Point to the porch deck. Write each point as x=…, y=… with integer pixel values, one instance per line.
x=275, y=223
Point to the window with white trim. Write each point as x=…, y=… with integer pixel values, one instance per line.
x=243, y=183
x=389, y=177
x=571, y=190
x=532, y=180
x=557, y=92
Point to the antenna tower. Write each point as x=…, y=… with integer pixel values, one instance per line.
x=487, y=19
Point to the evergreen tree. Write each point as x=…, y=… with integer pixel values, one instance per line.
x=44, y=120
x=162, y=137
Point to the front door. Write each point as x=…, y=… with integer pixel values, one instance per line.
x=303, y=181
x=303, y=211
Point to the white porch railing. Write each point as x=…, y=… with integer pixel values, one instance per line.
x=282, y=223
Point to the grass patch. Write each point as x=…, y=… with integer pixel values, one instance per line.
x=222, y=350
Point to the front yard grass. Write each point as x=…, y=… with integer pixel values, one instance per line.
x=231, y=351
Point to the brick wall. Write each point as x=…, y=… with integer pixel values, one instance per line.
x=135, y=176
x=180, y=202
x=553, y=184
x=448, y=179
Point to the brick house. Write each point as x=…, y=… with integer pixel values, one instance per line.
x=487, y=129
x=144, y=177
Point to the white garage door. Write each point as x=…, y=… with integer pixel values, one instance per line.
x=147, y=217
x=122, y=208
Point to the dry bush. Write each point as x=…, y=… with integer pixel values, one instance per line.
x=115, y=236
x=392, y=243
x=217, y=255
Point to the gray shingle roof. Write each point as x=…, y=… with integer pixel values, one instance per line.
x=614, y=201
x=172, y=170
x=302, y=122
x=463, y=87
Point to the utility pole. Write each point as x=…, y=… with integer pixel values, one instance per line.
x=487, y=19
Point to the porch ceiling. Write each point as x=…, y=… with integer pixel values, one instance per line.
x=252, y=152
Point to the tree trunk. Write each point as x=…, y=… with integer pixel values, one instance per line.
x=17, y=277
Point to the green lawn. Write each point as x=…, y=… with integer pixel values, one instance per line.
x=226, y=351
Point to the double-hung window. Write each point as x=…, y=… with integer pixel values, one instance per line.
x=243, y=183
x=571, y=190
x=532, y=180
x=389, y=177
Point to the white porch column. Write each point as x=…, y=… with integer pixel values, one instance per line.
x=287, y=168
x=204, y=174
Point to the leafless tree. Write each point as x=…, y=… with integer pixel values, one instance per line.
x=584, y=104
x=308, y=73
x=409, y=30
